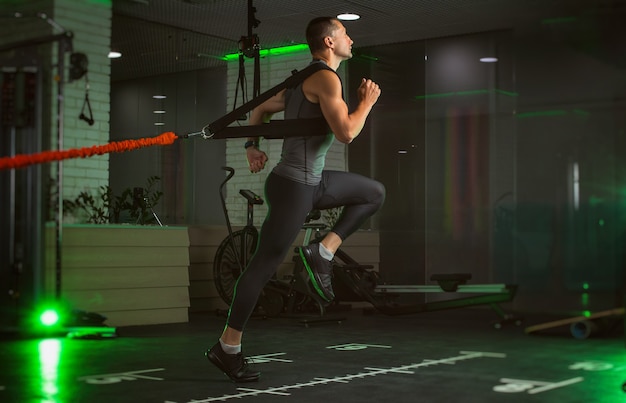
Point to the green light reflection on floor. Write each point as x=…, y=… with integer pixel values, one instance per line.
x=49, y=359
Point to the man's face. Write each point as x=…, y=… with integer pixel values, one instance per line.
x=342, y=42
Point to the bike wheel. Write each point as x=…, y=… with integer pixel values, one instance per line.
x=226, y=269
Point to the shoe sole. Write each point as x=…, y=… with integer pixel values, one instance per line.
x=215, y=360
x=313, y=276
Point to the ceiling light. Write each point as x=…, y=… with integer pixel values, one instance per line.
x=488, y=59
x=158, y=111
x=348, y=17
x=159, y=96
x=114, y=54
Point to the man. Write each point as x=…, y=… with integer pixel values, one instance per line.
x=298, y=184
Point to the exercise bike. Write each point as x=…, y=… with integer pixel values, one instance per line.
x=291, y=295
x=352, y=281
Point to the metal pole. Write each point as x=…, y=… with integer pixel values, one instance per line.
x=64, y=45
x=59, y=218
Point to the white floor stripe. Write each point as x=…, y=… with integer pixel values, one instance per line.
x=371, y=372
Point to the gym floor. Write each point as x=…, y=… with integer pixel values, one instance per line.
x=445, y=356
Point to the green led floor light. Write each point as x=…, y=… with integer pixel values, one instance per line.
x=74, y=324
x=49, y=318
x=46, y=320
x=55, y=319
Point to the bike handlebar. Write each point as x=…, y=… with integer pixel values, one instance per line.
x=231, y=172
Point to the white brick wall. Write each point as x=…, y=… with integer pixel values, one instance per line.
x=274, y=70
x=91, y=24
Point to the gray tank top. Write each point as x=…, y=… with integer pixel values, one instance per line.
x=302, y=158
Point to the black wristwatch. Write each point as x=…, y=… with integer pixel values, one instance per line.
x=251, y=143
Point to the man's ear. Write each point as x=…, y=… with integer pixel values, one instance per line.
x=328, y=41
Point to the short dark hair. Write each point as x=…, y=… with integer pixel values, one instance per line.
x=318, y=29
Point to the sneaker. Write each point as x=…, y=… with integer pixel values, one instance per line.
x=235, y=366
x=320, y=270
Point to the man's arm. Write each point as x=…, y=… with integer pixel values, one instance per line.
x=259, y=115
x=324, y=87
x=264, y=112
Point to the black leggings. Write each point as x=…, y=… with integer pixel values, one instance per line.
x=289, y=203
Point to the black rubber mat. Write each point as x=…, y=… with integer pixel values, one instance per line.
x=448, y=356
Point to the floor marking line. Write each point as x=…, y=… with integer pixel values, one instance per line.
x=127, y=373
x=484, y=354
x=330, y=380
x=390, y=370
x=245, y=392
x=357, y=346
x=448, y=363
x=257, y=390
x=524, y=381
x=555, y=385
x=263, y=358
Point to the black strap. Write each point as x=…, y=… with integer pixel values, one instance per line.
x=277, y=129
x=296, y=78
x=256, y=86
x=89, y=119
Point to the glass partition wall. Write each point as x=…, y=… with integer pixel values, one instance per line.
x=503, y=156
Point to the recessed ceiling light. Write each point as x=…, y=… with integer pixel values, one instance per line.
x=488, y=59
x=348, y=17
x=114, y=54
x=159, y=96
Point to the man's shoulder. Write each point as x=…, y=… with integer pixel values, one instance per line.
x=326, y=74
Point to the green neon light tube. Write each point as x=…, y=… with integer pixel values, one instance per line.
x=283, y=50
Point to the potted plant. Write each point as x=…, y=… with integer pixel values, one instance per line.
x=134, y=205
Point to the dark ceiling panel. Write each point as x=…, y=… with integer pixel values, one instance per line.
x=163, y=36
x=166, y=36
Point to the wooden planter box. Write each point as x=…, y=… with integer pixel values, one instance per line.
x=141, y=275
x=133, y=275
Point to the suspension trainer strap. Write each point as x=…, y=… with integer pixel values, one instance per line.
x=296, y=78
